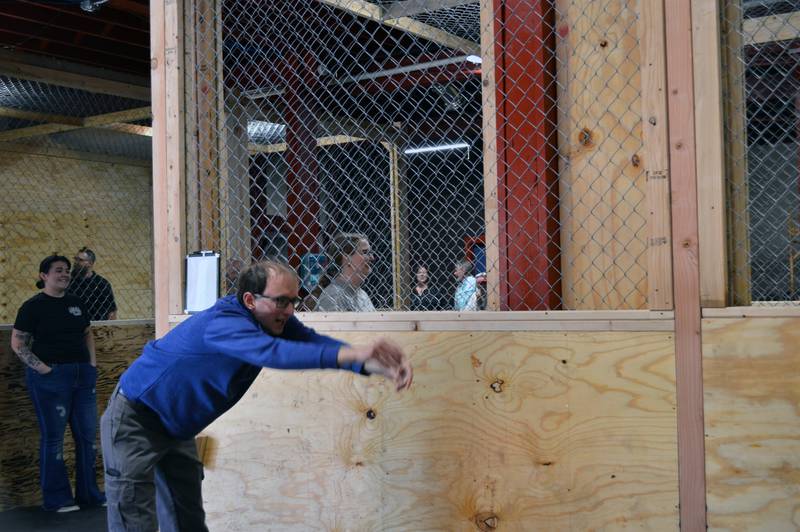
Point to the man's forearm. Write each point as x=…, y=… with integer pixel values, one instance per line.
x=21, y=347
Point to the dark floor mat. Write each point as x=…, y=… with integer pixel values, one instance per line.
x=37, y=520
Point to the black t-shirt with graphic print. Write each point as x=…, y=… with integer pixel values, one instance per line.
x=96, y=293
x=58, y=326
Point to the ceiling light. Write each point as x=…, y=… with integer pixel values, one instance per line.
x=90, y=6
x=441, y=147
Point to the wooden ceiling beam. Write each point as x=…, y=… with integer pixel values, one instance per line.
x=376, y=13
x=62, y=78
x=115, y=120
x=35, y=116
x=409, y=8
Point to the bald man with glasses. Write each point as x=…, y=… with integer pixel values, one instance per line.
x=196, y=372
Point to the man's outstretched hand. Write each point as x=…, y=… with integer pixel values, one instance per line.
x=381, y=357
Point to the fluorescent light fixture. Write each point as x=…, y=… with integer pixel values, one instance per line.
x=441, y=147
x=474, y=59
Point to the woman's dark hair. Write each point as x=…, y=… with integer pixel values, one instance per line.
x=47, y=262
x=255, y=277
x=341, y=246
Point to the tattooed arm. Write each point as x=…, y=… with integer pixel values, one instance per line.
x=21, y=345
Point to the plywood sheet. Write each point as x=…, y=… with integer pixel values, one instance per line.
x=61, y=204
x=117, y=347
x=603, y=207
x=752, y=419
x=505, y=431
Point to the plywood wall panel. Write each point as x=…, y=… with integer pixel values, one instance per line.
x=117, y=346
x=752, y=418
x=505, y=431
x=61, y=204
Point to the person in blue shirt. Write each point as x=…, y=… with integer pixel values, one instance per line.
x=195, y=373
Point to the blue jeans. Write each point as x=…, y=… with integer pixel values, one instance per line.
x=66, y=394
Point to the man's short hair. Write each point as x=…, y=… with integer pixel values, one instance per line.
x=89, y=253
x=254, y=278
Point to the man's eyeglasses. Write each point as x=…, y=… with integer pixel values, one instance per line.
x=281, y=301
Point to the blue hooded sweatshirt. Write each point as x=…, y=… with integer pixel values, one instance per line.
x=202, y=367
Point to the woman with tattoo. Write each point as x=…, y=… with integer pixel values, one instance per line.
x=52, y=337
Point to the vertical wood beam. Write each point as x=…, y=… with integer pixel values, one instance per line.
x=191, y=132
x=688, y=351
x=488, y=92
x=656, y=155
x=207, y=200
x=740, y=272
x=173, y=61
x=168, y=211
x=397, y=241
x=710, y=160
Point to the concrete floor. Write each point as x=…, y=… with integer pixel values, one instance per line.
x=37, y=520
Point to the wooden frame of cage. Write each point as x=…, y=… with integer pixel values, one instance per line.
x=169, y=217
x=685, y=166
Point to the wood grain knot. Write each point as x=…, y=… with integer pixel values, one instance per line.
x=497, y=386
x=585, y=137
x=486, y=521
x=371, y=414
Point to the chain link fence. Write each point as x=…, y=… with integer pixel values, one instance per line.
x=490, y=153
x=77, y=181
x=761, y=40
x=309, y=121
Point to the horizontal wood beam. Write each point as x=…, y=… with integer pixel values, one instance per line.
x=782, y=311
x=128, y=115
x=34, y=131
x=772, y=28
x=115, y=120
x=73, y=80
x=409, y=8
x=131, y=129
x=282, y=146
x=60, y=153
x=453, y=321
x=35, y=116
x=375, y=12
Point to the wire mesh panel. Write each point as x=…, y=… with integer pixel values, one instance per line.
x=760, y=46
x=366, y=144
x=76, y=173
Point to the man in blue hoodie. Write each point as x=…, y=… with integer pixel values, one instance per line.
x=185, y=380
